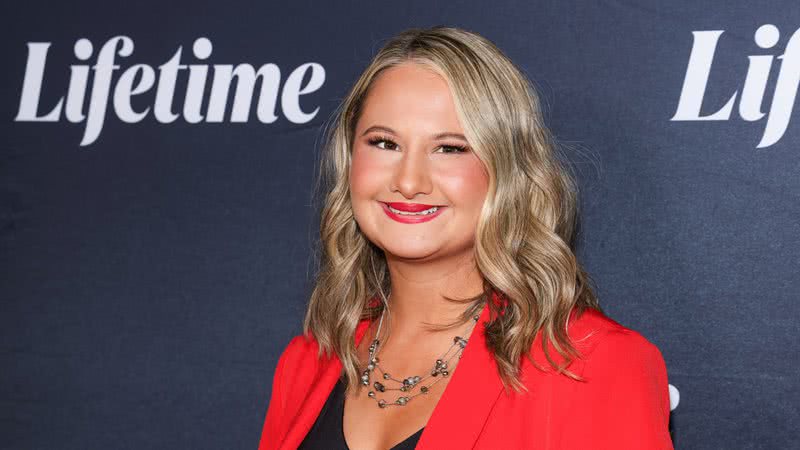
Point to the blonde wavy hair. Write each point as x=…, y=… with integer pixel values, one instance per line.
x=524, y=237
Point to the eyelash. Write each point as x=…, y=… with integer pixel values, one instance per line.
x=377, y=140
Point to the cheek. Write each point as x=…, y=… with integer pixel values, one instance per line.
x=364, y=175
x=466, y=184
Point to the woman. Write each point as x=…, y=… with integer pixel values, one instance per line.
x=449, y=310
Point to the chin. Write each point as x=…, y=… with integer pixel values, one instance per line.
x=409, y=251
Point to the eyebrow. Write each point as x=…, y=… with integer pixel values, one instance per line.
x=439, y=136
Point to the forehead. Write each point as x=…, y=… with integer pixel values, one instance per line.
x=410, y=95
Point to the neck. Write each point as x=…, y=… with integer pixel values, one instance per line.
x=419, y=291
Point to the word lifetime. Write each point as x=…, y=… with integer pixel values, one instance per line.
x=139, y=78
x=755, y=83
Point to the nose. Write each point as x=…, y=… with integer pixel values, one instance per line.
x=412, y=174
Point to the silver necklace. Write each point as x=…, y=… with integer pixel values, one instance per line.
x=408, y=384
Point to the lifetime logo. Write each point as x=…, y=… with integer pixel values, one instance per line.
x=755, y=83
x=140, y=78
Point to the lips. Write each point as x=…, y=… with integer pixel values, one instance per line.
x=411, y=212
x=410, y=207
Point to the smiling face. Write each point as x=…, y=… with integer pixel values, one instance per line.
x=409, y=154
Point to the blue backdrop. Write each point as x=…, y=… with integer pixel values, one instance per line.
x=155, y=218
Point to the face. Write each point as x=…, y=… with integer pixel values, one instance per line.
x=416, y=186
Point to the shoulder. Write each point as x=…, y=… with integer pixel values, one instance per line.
x=299, y=346
x=301, y=350
x=602, y=344
x=610, y=353
x=297, y=368
x=623, y=397
x=624, y=374
x=304, y=352
x=600, y=337
x=618, y=359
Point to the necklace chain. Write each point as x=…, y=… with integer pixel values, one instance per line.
x=408, y=385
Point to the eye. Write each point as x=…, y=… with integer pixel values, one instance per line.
x=452, y=149
x=388, y=144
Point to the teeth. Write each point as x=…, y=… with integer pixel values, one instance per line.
x=421, y=213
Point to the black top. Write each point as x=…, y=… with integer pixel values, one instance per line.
x=327, y=432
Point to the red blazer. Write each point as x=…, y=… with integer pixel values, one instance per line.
x=622, y=404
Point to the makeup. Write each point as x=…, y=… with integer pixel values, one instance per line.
x=411, y=212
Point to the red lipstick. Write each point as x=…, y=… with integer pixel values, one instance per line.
x=414, y=210
x=410, y=207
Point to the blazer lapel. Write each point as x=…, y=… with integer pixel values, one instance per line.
x=458, y=417
x=328, y=373
x=474, y=388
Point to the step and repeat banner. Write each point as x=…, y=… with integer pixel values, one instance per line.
x=156, y=223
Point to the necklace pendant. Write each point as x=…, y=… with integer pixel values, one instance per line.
x=411, y=381
x=408, y=384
